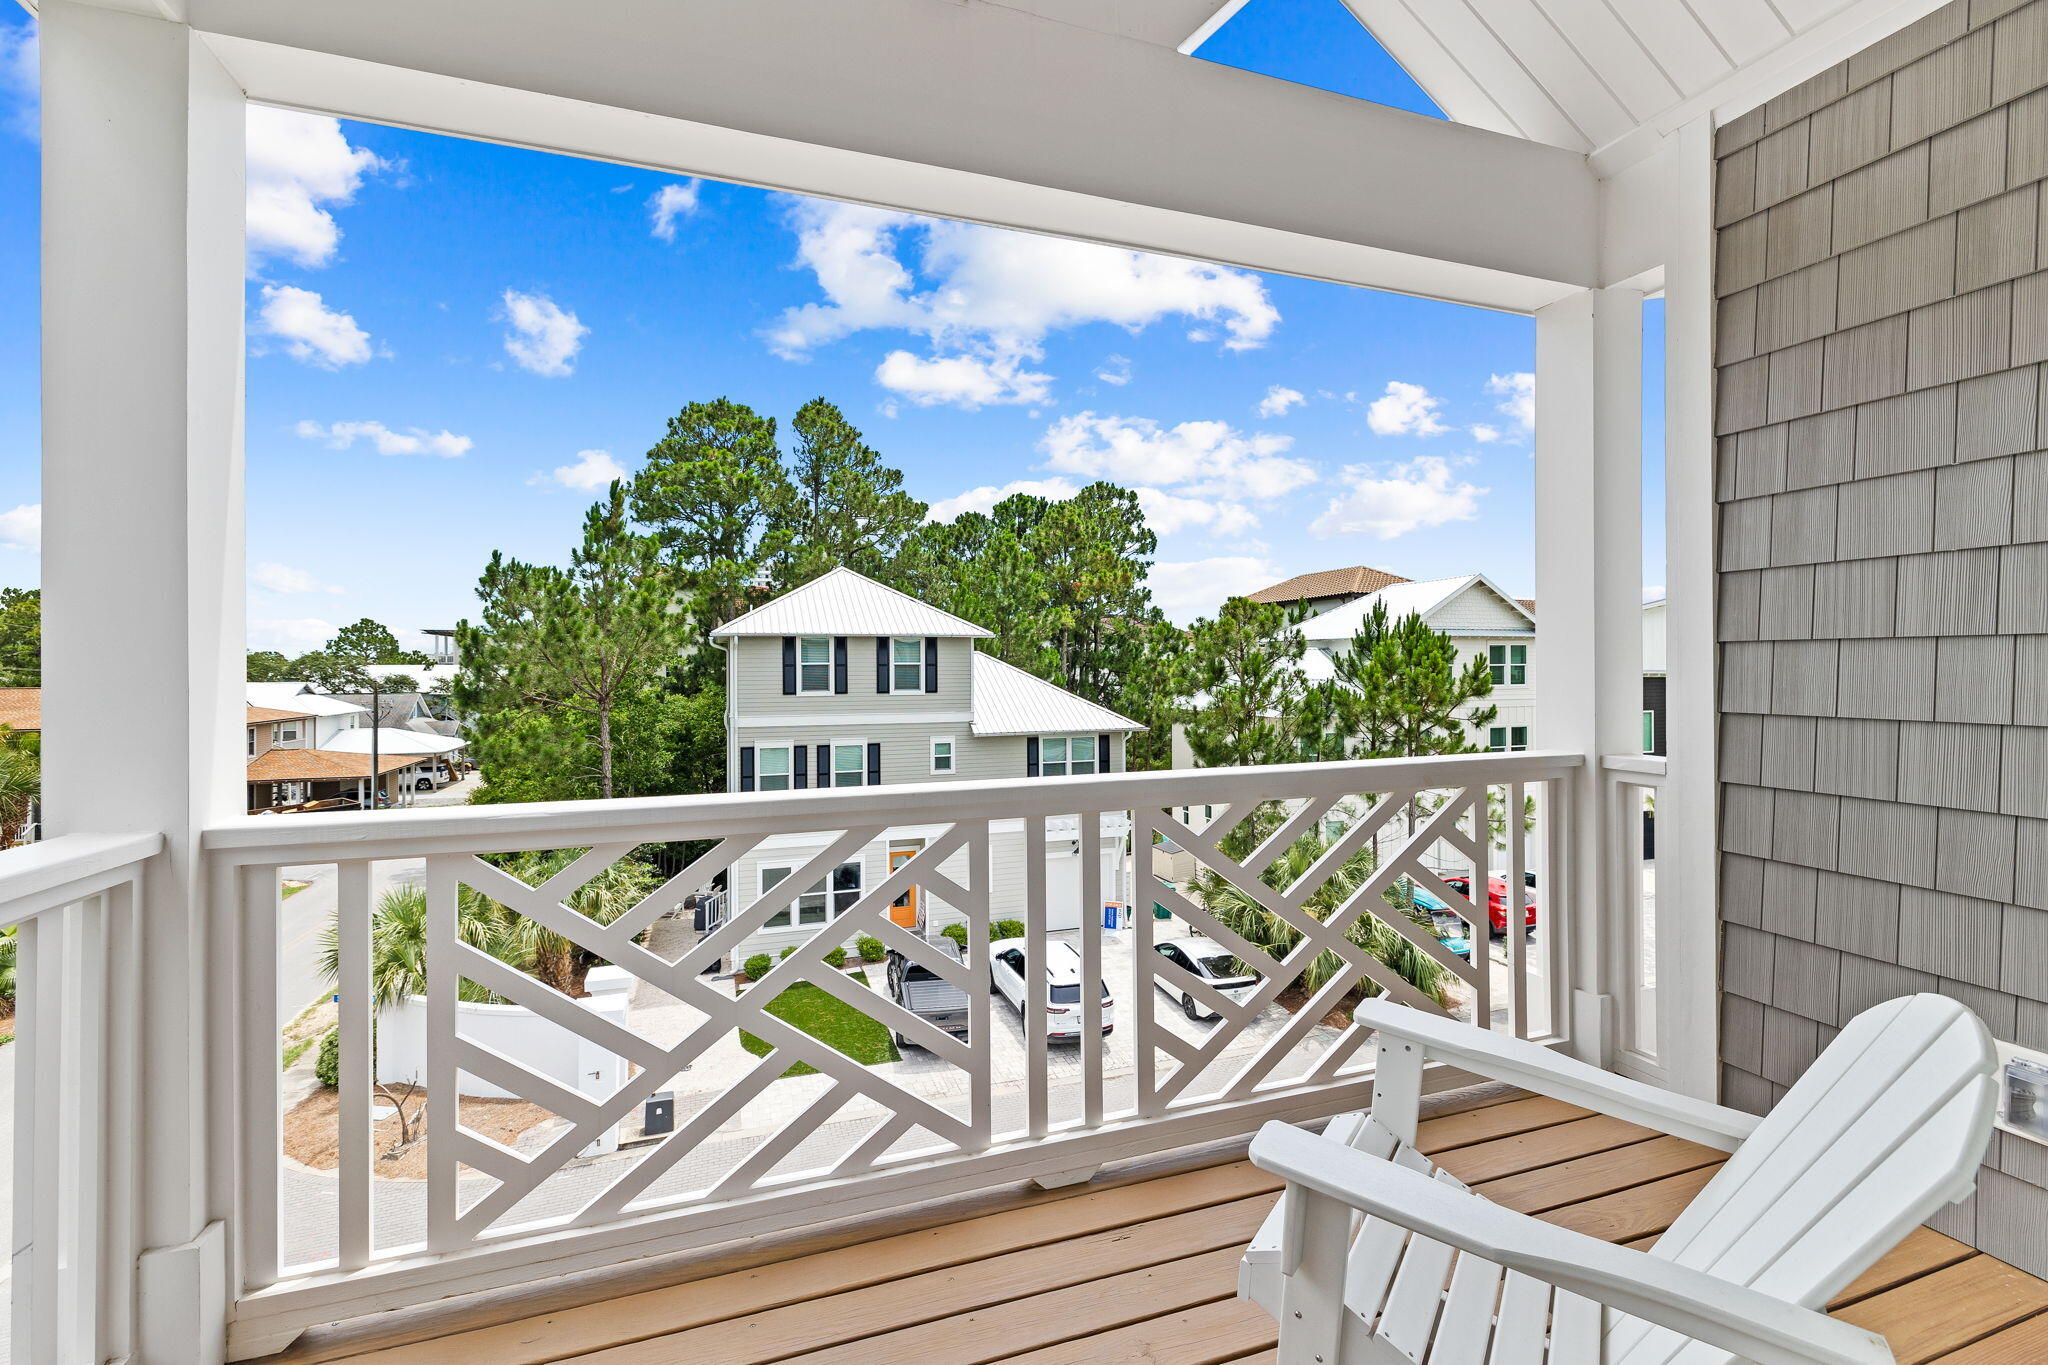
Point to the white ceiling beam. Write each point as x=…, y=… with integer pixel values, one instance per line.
x=971, y=111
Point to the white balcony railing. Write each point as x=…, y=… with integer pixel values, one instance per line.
x=1630, y=784
x=754, y=1149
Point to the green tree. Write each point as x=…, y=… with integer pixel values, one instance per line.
x=1245, y=665
x=366, y=640
x=1403, y=690
x=330, y=672
x=398, y=944
x=678, y=744
x=21, y=783
x=552, y=959
x=559, y=643
x=845, y=506
x=267, y=665
x=712, y=491
x=21, y=637
x=398, y=682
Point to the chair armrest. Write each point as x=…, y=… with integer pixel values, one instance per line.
x=1752, y=1325
x=1547, y=1072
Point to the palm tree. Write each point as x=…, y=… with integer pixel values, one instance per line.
x=546, y=954
x=21, y=782
x=398, y=944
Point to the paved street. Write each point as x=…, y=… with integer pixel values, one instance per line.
x=303, y=922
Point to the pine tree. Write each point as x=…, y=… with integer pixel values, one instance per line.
x=1404, y=689
x=712, y=492
x=1245, y=665
x=556, y=647
x=846, y=508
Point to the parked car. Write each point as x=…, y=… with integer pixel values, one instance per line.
x=1497, y=899
x=429, y=779
x=926, y=994
x=1209, y=962
x=1063, y=985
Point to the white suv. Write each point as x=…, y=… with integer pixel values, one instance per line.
x=1211, y=964
x=1062, y=986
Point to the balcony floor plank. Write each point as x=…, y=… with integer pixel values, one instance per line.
x=1145, y=1271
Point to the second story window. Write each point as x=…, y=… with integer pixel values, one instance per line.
x=942, y=755
x=906, y=665
x=814, y=663
x=1509, y=664
x=288, y=733
x=1066, y=755
x=1507, y=738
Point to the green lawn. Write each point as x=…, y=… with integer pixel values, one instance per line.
x=832, y=1022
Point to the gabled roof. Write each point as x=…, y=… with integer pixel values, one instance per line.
x=302, y=696
x=1009, y=701
x=391, y=740
x=322, y=765
x=1359, y=578
x=265, y=715
x=843, y=602
x=1342, y=622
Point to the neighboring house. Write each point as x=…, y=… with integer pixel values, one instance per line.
x=331, y=715
x=289, y=767
x=21, y=709
x=846, y=683
x=1653, y=676
x=1482, y=620
x=1327, y=588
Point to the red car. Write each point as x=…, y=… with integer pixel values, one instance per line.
x=1496, y=900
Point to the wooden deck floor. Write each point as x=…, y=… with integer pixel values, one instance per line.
x=1145, y=1270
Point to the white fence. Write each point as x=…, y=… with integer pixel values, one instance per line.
x=1324, y=854
x=74, y=904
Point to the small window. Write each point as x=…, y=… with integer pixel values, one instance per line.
x=942, y=755
x=906, y=665
x=849, y=765
x=1507, y=738
x=1066, y=755
x=288, y=733
x=1508, y=664
x=1649, y=732
x=818, y=904
x=771, y=768
x=252, y=743
x=814, y=664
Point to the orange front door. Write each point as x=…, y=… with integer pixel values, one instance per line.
x=903, y=910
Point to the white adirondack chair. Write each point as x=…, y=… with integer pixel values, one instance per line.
x=1887, y=1126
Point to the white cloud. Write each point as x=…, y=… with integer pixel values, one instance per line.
x=309, y=329
x=22, y=528
x=1405, y=410
x=1166, y=513
x=285, y=579
x=592, y=469
x=1402, y=498
x=291, y=636
x=961, y=381
x=544, y=337
x=669, y=203
x=988, y=495
x=1203, y=458
x=1197, y=587
x=1517, y=393
x=19, y=59
x=993, y=293
x=411, y=441
x=1278, y=400
x=297, y=163
x=1116, y=369
x=1485, y=433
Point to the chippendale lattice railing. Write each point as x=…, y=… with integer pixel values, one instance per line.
x=1320, y=880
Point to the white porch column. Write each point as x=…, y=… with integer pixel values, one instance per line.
x=1589, y=672
x=142, y=564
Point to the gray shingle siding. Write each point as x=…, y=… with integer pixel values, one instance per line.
x=1883, y=605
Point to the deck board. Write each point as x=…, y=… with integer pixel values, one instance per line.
x=1145, y=1272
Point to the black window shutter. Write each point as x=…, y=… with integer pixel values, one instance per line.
x=839, y=663
x=824, y=765
x=874, y=765
x=797, y=756
x=882, y=663
x=789, y=665
x=747, y=768
x=1102, y=753
x=931, y=663
x=1031, y=756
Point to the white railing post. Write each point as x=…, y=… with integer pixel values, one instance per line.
x=142, y=221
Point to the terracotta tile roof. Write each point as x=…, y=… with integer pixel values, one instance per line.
x=1529, y=603
x=264, y=715
x=21, y=708
x=322, y=765
x=1355, y=581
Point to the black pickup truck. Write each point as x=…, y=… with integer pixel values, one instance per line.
x=926, y=994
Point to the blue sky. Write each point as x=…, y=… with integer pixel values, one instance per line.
x=442, y=333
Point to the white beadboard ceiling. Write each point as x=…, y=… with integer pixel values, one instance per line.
x=1586, y=75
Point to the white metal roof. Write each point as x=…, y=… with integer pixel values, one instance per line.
x=390, y=741
x=843, y=602
x=1342, y=622
x=300, y=696
x=1009, y=701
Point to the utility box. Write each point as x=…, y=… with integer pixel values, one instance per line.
x=660, y=1116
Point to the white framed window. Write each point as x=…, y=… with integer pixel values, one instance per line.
x=1649, y=732
x=771, y=768
x=252, y=742
x=942, y=753
x=288, y=732
x=814, y=663
x=1509, y=664
x=906, y=664
x=1066, y=755
x=828, y=900
x=1507, y=738
x=849, y=764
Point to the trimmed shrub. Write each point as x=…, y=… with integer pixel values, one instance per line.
x=327, y=1067
x=871, y=948
x=1006, y=928
x=757, y=966
x=786, y=952
x=836, y=958
x=958, y=933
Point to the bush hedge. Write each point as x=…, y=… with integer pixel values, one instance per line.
x=327, y=1067
x=836, y=958
x=956, y=932
x=1006, y=928
x=871, y=948
x=757, y=966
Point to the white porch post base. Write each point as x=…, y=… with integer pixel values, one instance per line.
x=182, y=1301
x=1593, y=1028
